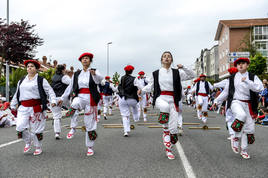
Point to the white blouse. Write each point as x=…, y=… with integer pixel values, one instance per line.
x=29, y=90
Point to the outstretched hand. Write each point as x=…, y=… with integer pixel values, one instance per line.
x=180, y=66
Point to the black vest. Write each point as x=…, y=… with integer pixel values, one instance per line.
x=57, y=85
x=43, y=95
x=92, y=87
x=198, y=86
x=176, y=86
x=253, y=95
x=107, y=90
x=127, y=89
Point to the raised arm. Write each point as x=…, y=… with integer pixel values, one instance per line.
x=185, y=73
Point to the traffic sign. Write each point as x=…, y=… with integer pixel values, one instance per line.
x=238, y=54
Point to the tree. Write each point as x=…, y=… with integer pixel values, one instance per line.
x=257, y=64
x=247, y=45
x=48, y=74
x=16, y=75
x=116, y=77
x=18, y=41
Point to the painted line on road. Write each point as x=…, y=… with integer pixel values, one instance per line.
x=19, y=140
x=187, y=166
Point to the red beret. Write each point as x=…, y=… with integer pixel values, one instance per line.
x=90, y=55
x=189, y=87
x=232, y=70
x=36, y=63
x=141, y=73
x=196, y=80
x=240, y=60
x=107, y=77
x=129, y=68
x=202, y=75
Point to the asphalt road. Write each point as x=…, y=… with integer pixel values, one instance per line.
x=207, y=152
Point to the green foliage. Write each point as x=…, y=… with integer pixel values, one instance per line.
x=16, y=75
x=116, y=77
x=257, y=64
x=48, y=74
x=247, y=45
x=2, y=81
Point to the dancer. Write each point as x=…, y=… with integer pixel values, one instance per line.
x=128, y=98
x=241, y=92
x=86, y=97
x=142, y=105
x=60, y=82
x=228, y=114
x=202, y=89
x=108, y=90
x=166, y=84
x=31, y=98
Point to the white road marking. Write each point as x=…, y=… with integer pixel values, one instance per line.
x=19, y=140
x=187, y=166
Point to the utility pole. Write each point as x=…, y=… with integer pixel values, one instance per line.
x=7, y=62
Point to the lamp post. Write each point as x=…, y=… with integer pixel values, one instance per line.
x=7, y=65
x=108, y=57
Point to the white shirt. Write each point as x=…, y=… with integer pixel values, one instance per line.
x=166, y=79
x=141, y=82
x=29, y=90
x=83, y=82
x=221, y=84
x=202, y=88
x=66, y=79
x=242, y=89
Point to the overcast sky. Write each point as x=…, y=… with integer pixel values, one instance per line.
x=139, y=29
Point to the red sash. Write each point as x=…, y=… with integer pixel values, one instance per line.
x=35, y=103
x=170, y=93
x=87, y=91
x=202, y=94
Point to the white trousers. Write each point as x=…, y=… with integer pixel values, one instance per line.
x=180, y=118
x=30, y=124
x=90, y=116
x=57, y=115
x=241, y=112
x=108, y=101
x=125, y=106
x=142, y=105
x=229, y=120
x=203, y=101
x=165, y=103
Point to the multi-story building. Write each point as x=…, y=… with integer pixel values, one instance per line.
x=206, y=62
x=231, y=33
x=214, y=63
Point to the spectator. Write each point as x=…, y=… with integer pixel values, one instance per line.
x=264, y=95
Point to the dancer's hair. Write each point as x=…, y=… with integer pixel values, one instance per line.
x=59, y=69
x=168, y=53
x=129, y=72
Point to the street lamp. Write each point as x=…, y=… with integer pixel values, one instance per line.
x=7, y=65
x=108, y=57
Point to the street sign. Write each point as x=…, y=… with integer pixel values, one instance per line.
x=238, y=54
x=235, y=55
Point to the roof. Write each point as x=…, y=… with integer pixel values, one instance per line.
x=239, y=23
